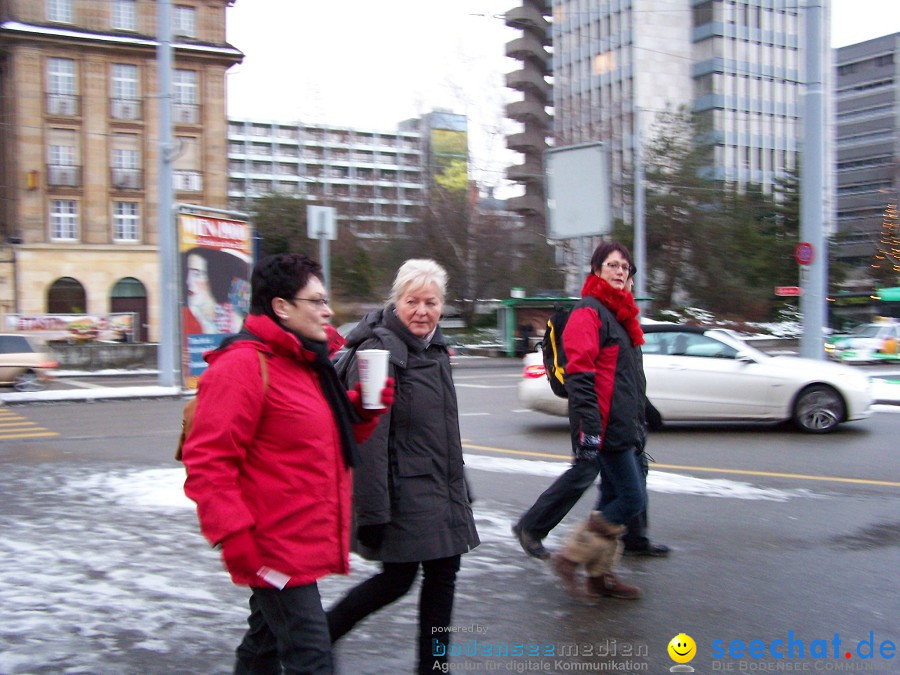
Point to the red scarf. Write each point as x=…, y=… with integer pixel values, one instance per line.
x=620, y=303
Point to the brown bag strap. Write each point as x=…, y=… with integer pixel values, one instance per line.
x=263, y=370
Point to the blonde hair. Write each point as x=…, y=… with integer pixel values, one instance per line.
x=418, y=273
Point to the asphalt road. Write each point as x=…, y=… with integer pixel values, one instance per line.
x=776, y=536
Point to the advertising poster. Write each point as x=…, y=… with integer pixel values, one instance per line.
x=117, y=327
x=216, y=255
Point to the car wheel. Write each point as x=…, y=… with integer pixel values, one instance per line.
x=28, y=381
x=818, y=409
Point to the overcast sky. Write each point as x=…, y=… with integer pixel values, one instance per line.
x=370, y=64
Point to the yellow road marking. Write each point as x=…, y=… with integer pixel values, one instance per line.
x=680, y=467
x=14, y=426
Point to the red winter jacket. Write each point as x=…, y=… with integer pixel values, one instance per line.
x=604, y=367
x=272, y=462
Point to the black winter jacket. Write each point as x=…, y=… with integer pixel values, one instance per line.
x=604, y=368
x=410, y=473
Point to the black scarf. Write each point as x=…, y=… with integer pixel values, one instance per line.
x=344, y=413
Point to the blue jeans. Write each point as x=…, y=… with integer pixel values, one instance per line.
x=623, y=491
x=287, y=629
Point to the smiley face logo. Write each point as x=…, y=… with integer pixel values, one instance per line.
x=682, y=648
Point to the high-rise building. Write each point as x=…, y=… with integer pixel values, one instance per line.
x=378, y=181
x=735, y=64
x=867, y=118
x=80, y=151
x=375, y=179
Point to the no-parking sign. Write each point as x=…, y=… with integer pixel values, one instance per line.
x=803, y=253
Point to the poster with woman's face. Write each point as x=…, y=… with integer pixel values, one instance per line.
x=216, y=256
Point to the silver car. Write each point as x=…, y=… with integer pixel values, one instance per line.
x=23, y=365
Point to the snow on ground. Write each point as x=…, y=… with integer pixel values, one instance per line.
x=106, y=570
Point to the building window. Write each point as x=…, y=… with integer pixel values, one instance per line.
x=126, y=221
x=64, y=219
x=125, y=162
x=59, y=11
x=125, y=85
x=61, y=76
x=124, y=15
x=185, y=86
x=61, y=155
x=62, y=158
x=184, y=21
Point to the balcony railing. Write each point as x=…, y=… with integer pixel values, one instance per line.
x=126, y=179
x=186, y=113
x=62, y=105
x=60, y=175
x=187, y=181
x=125, y=109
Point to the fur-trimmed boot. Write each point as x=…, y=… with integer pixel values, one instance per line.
x=601, y=582
x=609, y=585
x=599, y=524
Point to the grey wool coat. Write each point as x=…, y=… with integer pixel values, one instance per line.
x=410, y=474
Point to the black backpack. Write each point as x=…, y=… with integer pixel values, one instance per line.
x=553, y=352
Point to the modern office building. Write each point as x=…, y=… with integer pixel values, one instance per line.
x=377, y=181
x=617, y=64
x=867, y=120
x=79, y=147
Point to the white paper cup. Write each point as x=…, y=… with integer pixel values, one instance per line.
x=373, y=371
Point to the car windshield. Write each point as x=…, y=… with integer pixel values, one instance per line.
x=867, y=330
x=737, y=342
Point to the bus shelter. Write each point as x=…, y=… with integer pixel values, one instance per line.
x=522, y=321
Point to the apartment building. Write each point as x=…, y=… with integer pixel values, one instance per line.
x=734, y=62
x=867, y=121
x=376, y=180
x=80, y=152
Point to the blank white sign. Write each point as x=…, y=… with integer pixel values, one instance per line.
x=578, y=191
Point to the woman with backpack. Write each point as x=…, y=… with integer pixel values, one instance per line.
x=274, y=498
x=607, y=402
x=410, y=495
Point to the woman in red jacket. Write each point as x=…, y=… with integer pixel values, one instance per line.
x=268, y=463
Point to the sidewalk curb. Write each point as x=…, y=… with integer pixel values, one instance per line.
x=99, y=394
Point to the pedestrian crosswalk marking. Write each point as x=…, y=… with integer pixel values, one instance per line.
x=13, y=425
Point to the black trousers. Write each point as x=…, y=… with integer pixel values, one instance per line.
x=287, y=629
x=392, y=583
x=558, y=499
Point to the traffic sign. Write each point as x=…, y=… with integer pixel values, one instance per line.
x=803, y=253
x=788, y=291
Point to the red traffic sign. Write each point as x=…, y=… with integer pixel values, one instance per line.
x=803, y=253
x=788, y=291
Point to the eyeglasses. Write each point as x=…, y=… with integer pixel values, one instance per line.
x=625, y=267
x=321, y=303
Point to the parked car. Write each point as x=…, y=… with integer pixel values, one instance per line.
x=710, y=375
x=867, y=343
x=23, y=365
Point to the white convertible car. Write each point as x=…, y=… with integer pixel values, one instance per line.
x=711, y=375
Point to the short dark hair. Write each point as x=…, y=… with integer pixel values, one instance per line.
x=280, y=276
x=604, y=250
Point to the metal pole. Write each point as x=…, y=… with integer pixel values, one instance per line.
x=812, y=186
x=323, y=260
x=640, y=236
x=168, y=275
